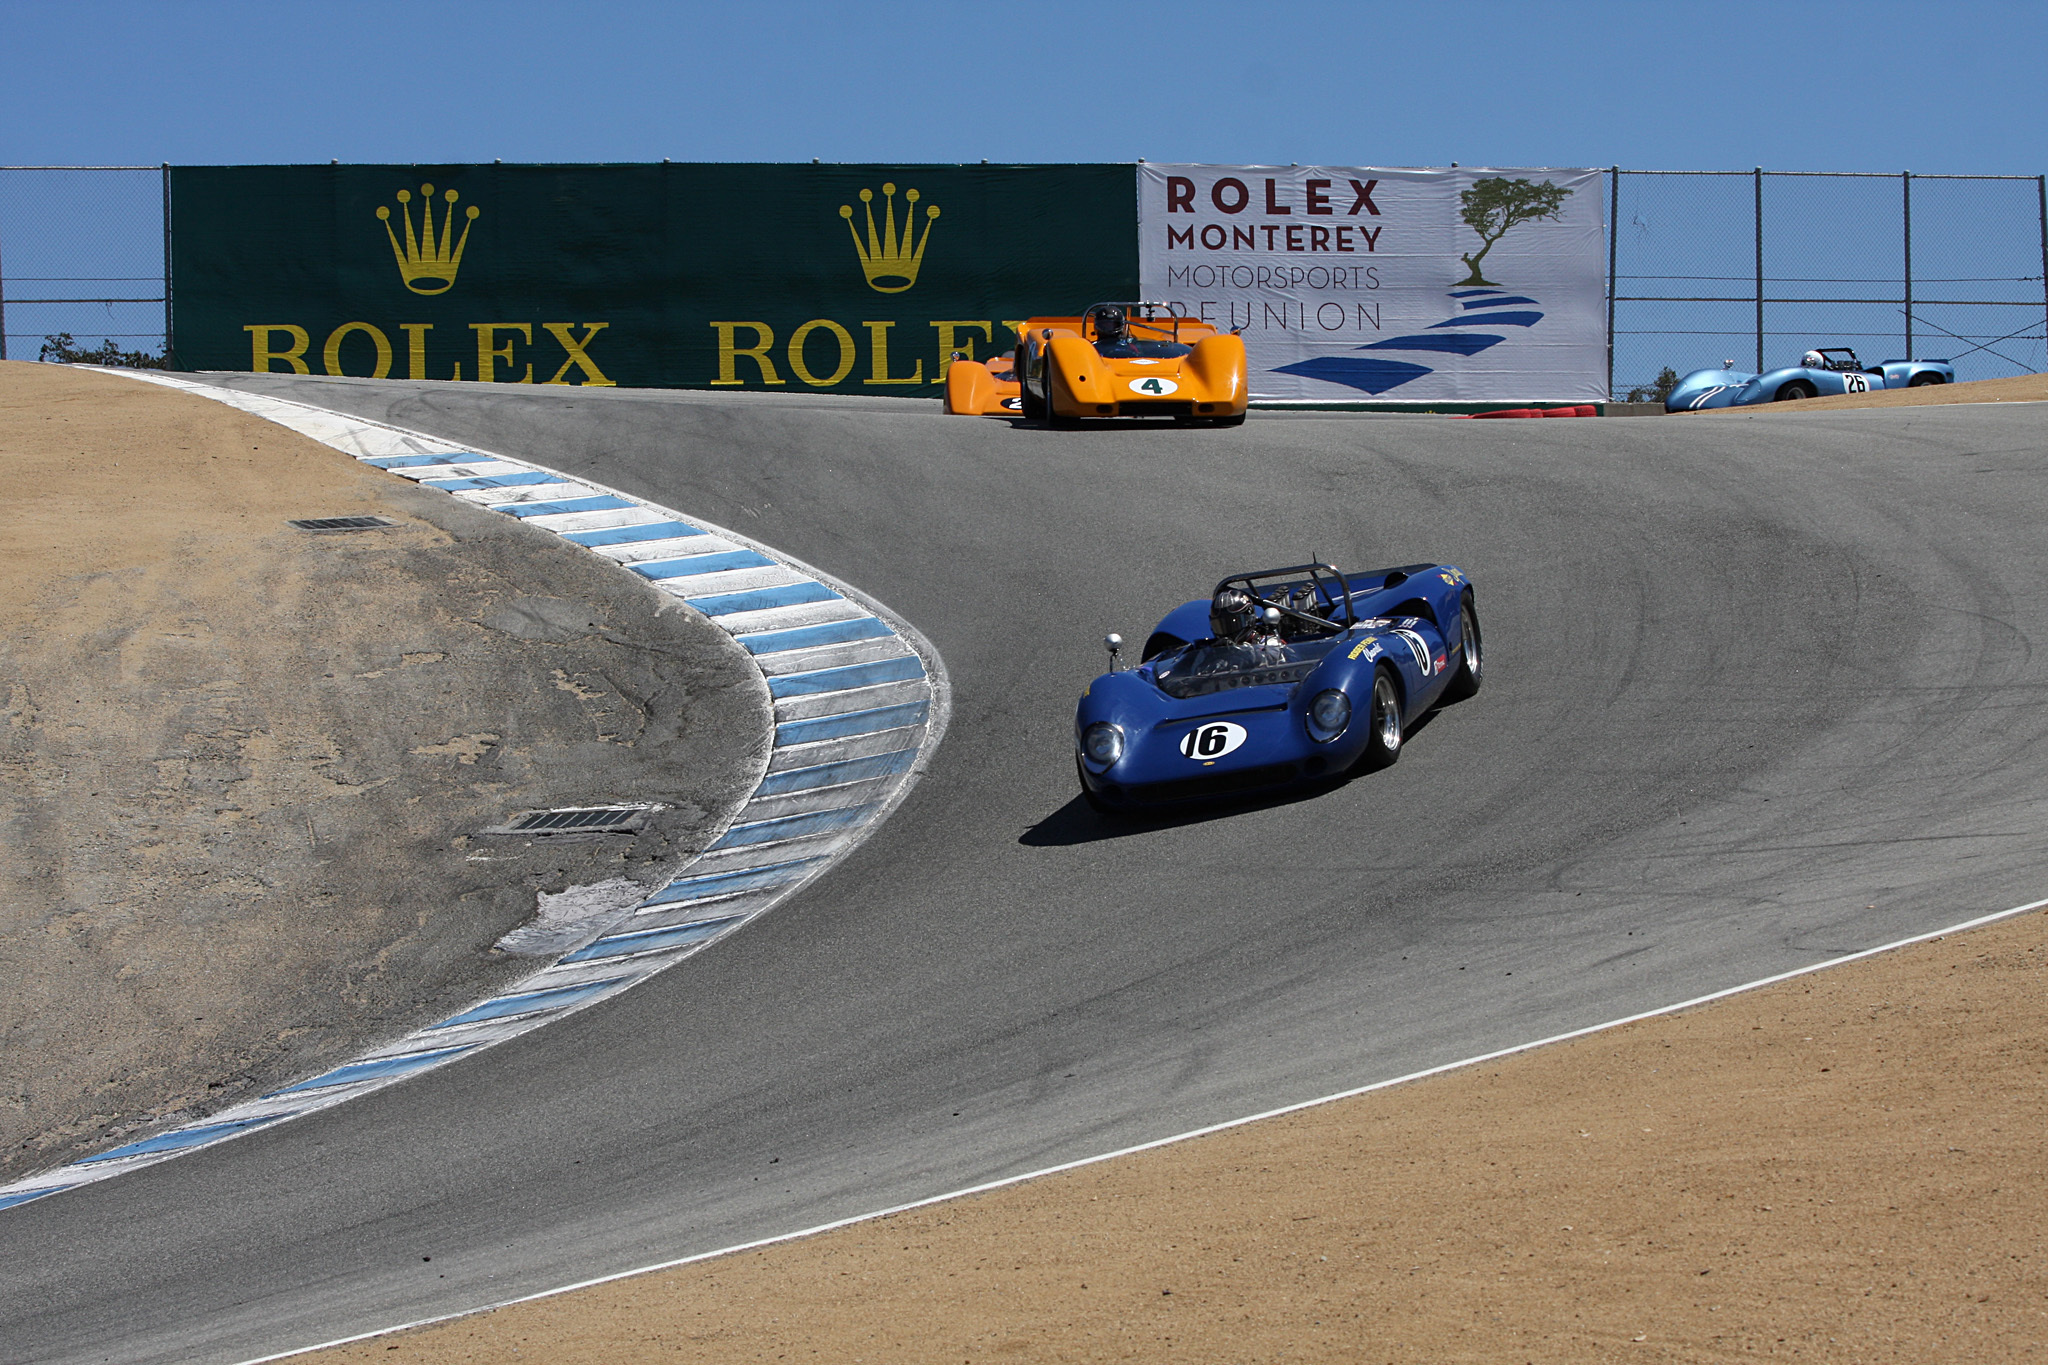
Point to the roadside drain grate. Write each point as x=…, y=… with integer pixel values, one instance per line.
x=344, y=524
x=577, y=820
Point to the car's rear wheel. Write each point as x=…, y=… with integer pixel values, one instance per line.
x=1922, y=380
x=1798, y=388
x=1383, y=723
x=1465, y=682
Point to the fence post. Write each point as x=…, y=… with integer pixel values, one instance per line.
x=2041, y=188
x=3, y=308
x=1759, y=270
x=169, y=353
x=1906, y=199
x=1613, y=236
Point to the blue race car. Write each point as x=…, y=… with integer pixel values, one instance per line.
x=1277, y=677
x=1828, y=370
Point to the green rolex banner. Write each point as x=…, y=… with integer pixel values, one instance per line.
x=855, y=279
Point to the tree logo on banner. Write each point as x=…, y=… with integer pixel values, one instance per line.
x=428, y=264
x=889, y=263
x=1495, y=204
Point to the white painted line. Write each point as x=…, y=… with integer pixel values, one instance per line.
x=1192, y=1133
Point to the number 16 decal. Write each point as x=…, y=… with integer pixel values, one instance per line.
x=1213, y=740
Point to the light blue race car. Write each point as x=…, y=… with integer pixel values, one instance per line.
x=1838, y=371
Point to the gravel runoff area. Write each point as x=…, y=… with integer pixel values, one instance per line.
x=243, y=767
x=1848, y=1166
x=2025, y=388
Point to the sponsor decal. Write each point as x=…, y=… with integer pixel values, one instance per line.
x=1205, y=743
x=1419, y=648
x=427, y=266
x=890, y=264
x=1368, y=648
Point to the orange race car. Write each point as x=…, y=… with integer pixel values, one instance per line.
x=1115, y=360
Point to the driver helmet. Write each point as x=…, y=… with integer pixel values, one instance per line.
x=1230, y=614
x=1109, y=326
x=1813, y=360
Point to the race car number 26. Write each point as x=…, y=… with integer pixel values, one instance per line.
x=1212, y=740
x=1855, y=383
x=1153, y=387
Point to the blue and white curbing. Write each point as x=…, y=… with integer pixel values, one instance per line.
x=860, y=703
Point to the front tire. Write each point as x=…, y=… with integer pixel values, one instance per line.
x=1797, y=389
x=1236, y=421
x=1034, y=411
x=1095, y=803
x=1465, y=682
x=1053, y=416
x=1921, y=381
x=1384, y=731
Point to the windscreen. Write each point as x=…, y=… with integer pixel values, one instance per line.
x=1129, y=349
x=1208, y=666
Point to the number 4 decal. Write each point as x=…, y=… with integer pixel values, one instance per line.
x=1153, y=387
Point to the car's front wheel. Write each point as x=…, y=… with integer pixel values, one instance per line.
x=1095, y=803
x=1033, y=409
x=1383, y=723
x=1922, y=380
x=1798, y=388
x=1053, y=416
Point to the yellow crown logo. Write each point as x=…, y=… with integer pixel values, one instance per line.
x=427, y=264
x=890, y=265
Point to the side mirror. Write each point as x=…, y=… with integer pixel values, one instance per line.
x=1114, y=643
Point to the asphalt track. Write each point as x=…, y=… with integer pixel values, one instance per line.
x=1761, y=691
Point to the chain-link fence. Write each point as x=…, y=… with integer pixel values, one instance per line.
x=1703, y=266
x=83, y=252
x=1754, y=267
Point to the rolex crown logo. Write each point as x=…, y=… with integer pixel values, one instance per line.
x=426, y=262
x=890, y=263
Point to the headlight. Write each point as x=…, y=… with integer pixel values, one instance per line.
x=1102, y=743
x=1328, y=714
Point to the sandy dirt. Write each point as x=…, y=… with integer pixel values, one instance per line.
x=1852, y=1166
x=242, y=767
x=2025, y=388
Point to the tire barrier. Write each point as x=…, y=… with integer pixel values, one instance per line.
x=1576, y=410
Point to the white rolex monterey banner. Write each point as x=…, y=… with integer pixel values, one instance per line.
x=1352, y=283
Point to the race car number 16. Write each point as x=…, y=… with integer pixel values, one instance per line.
x=1212, y=740
x=1153, y=387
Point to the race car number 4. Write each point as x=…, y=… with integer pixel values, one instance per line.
x=1213, y=740
x=1153, y=387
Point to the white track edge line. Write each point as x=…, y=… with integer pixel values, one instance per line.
x=1227, y=1124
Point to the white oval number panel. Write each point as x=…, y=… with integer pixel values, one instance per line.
x=1153, y=387
x=1213, y=740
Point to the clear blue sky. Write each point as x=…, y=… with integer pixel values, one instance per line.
x=1875, y=85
